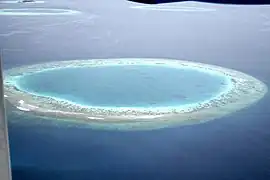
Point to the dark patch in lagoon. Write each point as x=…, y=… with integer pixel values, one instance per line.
x=240, y=91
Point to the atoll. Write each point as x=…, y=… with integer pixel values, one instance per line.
x=242, y=90
x=36, y=12
x=22, y=1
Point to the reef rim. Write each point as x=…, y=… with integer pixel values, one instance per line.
x=241, y=91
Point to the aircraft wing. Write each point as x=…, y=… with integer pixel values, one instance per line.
x=5, y=172
x=243, y=2
x=155, y=1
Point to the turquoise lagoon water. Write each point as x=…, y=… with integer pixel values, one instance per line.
x=124, y=86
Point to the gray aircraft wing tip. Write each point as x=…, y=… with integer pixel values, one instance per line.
x=5, y=171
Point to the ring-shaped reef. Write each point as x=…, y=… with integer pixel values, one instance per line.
x=36, y=12
x=17, y=2
x=238, y=91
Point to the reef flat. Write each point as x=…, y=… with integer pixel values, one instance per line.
x=241, y=90
x=36, y=12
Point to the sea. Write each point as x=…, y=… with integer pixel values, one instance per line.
x=235, y=147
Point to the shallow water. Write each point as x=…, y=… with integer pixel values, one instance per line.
x=125, y=86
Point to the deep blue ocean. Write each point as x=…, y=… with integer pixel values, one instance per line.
x=236, y=147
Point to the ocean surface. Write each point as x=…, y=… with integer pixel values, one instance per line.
x=236, y=147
